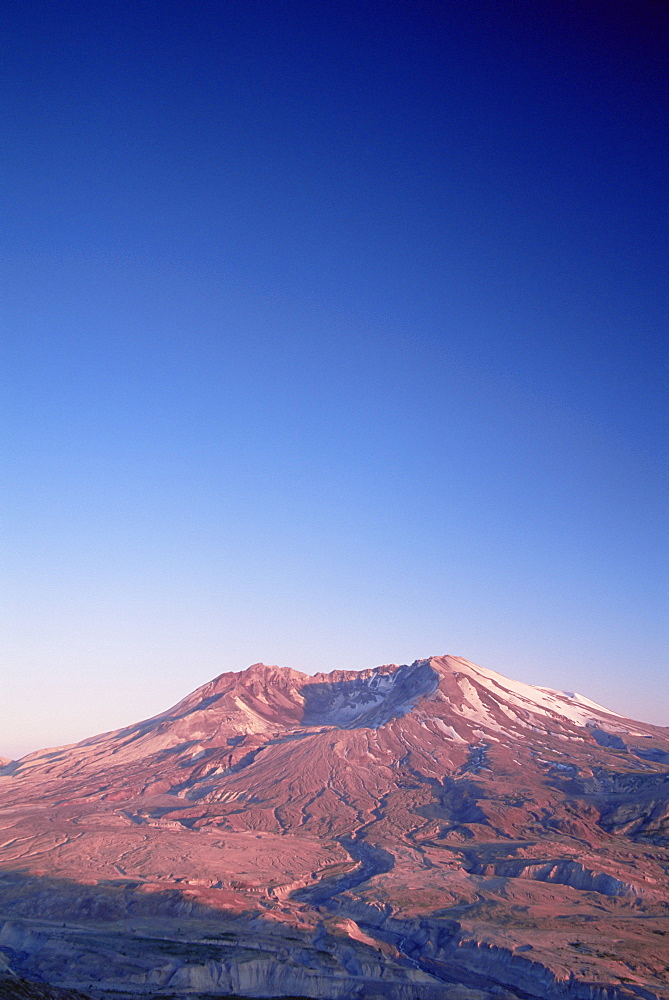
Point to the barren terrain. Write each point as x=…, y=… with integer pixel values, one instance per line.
x=415, y=832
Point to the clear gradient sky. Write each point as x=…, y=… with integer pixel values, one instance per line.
x=332, y=336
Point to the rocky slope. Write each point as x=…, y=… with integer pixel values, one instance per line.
x=424, y=831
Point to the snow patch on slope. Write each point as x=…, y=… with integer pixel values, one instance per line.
x=569, y=705
x=448, y=731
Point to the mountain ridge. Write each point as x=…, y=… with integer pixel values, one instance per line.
x=570, y=705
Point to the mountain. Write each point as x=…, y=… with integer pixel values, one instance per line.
x=413, y=832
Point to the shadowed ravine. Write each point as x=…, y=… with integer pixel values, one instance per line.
x=371, y=861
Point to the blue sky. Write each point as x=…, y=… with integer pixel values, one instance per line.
x=332, y=336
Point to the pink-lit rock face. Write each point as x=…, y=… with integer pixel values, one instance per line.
x=424, y=831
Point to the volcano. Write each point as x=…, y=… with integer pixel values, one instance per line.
x=416, y=832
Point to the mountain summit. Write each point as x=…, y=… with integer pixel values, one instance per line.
x=422, y=828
